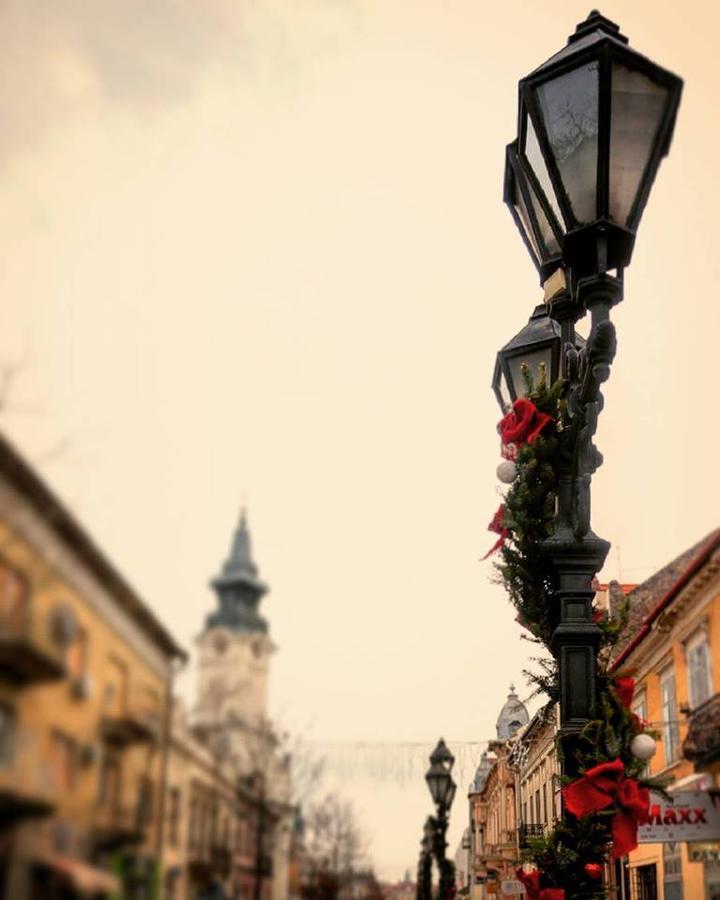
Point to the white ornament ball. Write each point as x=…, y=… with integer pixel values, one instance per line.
x=507, y=471
x=643, y=746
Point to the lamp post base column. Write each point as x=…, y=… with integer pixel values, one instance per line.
x=574, y=563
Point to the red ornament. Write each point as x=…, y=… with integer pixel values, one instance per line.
x=602, y=786
x=625, y=689
x=593, y=870
x=497, y=527
x=523, y=424
x=531, y=882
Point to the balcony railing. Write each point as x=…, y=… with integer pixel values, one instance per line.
x=221, y=859
x=27, y=787
x=529, y=832
x=116, y=827
x=131, y=721
x=28, y=652
x=702, y=744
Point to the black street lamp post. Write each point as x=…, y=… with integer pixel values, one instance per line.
x=442, y=790
x=594, y=122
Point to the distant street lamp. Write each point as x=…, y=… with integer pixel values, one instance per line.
x=442, y=790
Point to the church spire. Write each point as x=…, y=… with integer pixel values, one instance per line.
x=238, y=586
x=239, y=565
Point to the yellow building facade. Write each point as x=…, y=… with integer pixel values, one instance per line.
x=674, y=656
x=219, y=827
x=85, y=681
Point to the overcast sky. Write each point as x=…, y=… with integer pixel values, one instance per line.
x=258, y=249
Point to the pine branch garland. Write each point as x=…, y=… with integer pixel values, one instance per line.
x=564, y=854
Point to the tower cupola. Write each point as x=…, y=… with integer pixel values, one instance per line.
x=239, y=588
x=512, y=716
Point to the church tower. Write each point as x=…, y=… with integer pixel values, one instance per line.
x=234, y=648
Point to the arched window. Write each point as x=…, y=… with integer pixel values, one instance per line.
x=13, y=600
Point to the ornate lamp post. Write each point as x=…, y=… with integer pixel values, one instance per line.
x=594, y=122
x=442, y=790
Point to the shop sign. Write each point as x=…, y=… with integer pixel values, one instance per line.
x=689, y=816
x=704, y=851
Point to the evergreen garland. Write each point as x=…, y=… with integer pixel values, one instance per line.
x=529, y=513
x=573, y=851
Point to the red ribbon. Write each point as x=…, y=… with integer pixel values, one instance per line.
x=523, y=423
x=604, y=785
x=625, y=690
x=497, y=527
x=531, y=883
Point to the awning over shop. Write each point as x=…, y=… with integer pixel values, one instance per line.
x=698, y=781
x=83, y=877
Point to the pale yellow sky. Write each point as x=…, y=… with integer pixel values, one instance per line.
x=260, y=248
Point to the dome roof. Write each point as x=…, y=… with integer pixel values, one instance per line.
x=483, y=770
x=512, y=716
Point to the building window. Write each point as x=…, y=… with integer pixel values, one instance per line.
x=174, y=817
x=76, y=658
x=145, y=797
x=7, y=735
x=672, y=872
x=115, y=691
x=13, y=600
x=63, y=757
x=639, y=707
x=109, y=787
x=644, y=882
x=671, y=736
x=699, y=672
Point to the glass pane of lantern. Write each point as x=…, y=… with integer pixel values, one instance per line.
x=546, y=232
x=521, y=210
x=569, y=105
x=537, y=164
x=636, y=112
x=503, y=390
x=532, y=359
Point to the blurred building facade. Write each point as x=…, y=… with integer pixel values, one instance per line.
x=492, y=798
x=674, y=652
x=534, y=761
x=85, y=684
x=215, y=845
x=108, y=787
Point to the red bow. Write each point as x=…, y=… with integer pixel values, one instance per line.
x=625, y=690
x=606, y=784
x=523, y=423
x=497, y=527
x=531, y=883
